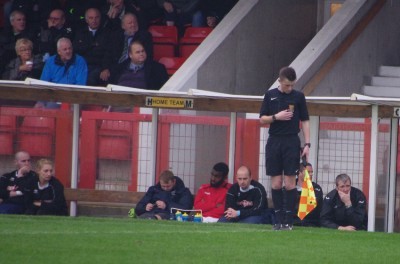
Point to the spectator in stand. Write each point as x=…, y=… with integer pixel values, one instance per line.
x=245, y=200
x=215, y=10
x=181, y=12
x=14, y=186
x=75, y=11
x=26, y=64
x=140, y=72
x=36, y=10
x=210, y=198
x=65, y=68
x=93, y=43
x=345, y=208
x=116, y=11
x=126, y=34
x=55, y=28
x=47, y=192
x=313, y=218
x=9, y=37
x=169, y=193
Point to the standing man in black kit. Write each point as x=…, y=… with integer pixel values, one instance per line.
x=283, y=108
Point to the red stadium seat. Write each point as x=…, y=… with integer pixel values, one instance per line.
x=192, y=39
x=7, y=133
x=172, y=63
x=115, y=140
x=36, y=136
x=165, y=41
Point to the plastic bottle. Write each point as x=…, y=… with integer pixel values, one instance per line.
x=198, y=218
x=178, y=216
x=185, y=217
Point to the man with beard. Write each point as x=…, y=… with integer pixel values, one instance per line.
x=211, y=197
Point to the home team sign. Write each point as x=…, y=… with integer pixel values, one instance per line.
x=164, y=102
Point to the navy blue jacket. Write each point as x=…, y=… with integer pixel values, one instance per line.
x=180, y=197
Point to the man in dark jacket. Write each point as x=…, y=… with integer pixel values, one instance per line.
x=129, y=32
x=246, y=200
x=93, y=43
x=345, y=208
x=140, y=72
x=169, y=193
x=14, y=186
x=54, y=29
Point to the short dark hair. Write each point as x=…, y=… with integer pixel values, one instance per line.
x=287, y=73
x=222, y=168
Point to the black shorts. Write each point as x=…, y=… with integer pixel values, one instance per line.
x=282, y=155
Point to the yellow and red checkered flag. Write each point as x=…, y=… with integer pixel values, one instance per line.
x=307, y=199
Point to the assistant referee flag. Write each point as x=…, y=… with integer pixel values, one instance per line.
x=307, y=199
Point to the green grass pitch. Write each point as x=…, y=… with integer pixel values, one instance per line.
x=58, y=240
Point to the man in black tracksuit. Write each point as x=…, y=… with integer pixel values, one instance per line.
x=14, y=186
x=344, y=208
x=245, y=200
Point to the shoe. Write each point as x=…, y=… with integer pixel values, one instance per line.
x=276, y=227
x=287, y=227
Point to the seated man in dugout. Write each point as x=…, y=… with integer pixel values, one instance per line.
x=344, y=208
x=14, y=186
x=169, y=192
x=210, y=198
x=246, y=200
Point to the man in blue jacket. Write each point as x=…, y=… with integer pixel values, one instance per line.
x=169, y=193
x=65, y=68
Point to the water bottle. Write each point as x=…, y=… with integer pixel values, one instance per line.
x=198, y=218
x=185, y=217
x=178, y=216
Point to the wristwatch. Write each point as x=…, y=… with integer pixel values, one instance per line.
x=307, y=144
x=273, y=118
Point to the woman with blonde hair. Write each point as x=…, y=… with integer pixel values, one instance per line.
x=25, y=64
x=47, y=193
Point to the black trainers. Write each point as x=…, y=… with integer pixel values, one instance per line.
x=276, y=227
x=287, y=227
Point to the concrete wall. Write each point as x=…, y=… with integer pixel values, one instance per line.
x=245, y=52
x=269, y=37
x=377, y=45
